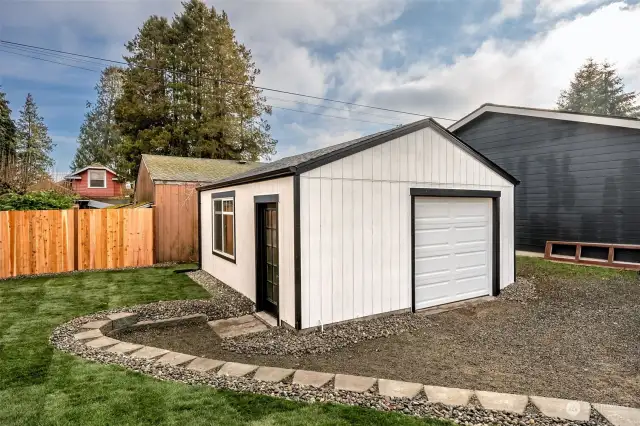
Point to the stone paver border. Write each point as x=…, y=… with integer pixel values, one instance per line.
x=550, y=407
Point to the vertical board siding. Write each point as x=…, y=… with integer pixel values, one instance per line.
x=112, y=239
x=356, y=244
x=43, y=241
x=176, y=222
x=241, y=275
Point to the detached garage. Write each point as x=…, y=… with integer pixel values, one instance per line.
x=400, y=220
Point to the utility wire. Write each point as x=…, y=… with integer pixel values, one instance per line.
x=273, y=106
x=333, y=116
x=227, y=81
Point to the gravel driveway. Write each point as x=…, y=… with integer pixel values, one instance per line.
x=576, y=336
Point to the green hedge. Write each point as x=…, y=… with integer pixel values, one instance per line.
x=38, y=200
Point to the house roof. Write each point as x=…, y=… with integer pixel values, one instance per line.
x=184, y=169
x=301, y=163
x=606, y=120
x=94, y=166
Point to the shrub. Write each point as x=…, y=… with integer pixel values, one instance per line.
x=38, y=200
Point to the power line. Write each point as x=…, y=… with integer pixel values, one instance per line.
x=49, y=60
x=333, y=116
x=273, y=106
x=229, y=82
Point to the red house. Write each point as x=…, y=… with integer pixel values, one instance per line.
x=96, y=181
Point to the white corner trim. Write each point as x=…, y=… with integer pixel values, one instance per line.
x=541, y=113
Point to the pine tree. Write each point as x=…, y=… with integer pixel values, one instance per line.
x=7, y=145
x=598, y=89
x=99, y=135
x=33, y=146
x=188, y=91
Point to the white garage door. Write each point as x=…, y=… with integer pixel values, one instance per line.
x=452, y=249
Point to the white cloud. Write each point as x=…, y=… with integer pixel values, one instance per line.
x=552, y=9
x=525, y=73
x=509, y=9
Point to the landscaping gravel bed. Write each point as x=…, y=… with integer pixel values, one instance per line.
x=280, y=341
x=523, y=291
x=62, y=338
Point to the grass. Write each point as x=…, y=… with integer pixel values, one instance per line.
x=528, y=266
x=43, y=386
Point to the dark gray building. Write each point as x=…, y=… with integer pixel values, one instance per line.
x=579, y=173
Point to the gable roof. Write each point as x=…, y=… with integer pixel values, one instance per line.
x=301, y=163
x=605, y=120
x=184, y=169
x=95, y=166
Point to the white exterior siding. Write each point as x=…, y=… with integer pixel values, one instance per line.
x=356, y=224
x=241, y=276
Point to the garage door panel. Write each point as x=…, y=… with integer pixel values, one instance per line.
x=452, y=249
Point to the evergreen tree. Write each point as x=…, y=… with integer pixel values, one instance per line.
x=598, y=89
x=99, y=135
x=188, y=91
x=33, y=146
x=7, y=145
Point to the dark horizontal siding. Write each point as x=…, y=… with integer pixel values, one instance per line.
x=579, y=181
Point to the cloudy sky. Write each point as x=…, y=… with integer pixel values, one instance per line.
x=435, y=57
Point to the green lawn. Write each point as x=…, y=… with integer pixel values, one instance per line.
x=42, y=386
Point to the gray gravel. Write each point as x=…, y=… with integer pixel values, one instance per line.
x=220, y=291
x=523, y=291
x=280, y=341
x=62, y=338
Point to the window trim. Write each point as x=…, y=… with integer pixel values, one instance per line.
x=223, y=196
x=104, y=172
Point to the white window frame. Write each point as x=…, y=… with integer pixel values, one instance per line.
x=104, y=173
x=222, y=213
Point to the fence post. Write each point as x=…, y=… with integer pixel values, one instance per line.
x=76, y=231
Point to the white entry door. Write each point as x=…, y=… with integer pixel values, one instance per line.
x=452, y=249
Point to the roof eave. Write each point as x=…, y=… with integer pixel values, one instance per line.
x=602, y=120
x=272, y=174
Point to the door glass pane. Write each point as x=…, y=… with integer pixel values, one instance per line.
x=268, y=232
x=228, y=234
x=275, y=294
x=269, y=255
x=275, y=275
x=275, y=256
x=274, y=237
x=217, y=205
x=269, y=292
x=217, y=231
x=269, y=273
x=228, y=205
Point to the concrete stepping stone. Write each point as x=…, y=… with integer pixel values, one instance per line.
x=87, y=335
x=396, y=389
x=448, y=396
x=311, y=378
x=232, y=327
x=149, y=352
x=619, y=416
x=102, y=325
x=204, y=364
x=124, y=348
x=354, y=383
x=102, y=342
x=272, y=374
x=175, y=358
x=503, y=401
x=563, y=408
x=123, y=319
x=236, y=369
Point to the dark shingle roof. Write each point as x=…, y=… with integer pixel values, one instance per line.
x=300, y=163
x=184, y=169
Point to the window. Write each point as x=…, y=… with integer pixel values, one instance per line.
x=97, y=178
x=224, y=224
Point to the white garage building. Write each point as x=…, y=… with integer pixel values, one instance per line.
x=400, y=220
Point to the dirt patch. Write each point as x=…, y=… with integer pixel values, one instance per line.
x=578, y=339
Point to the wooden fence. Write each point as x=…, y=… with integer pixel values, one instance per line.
x=51, y=241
